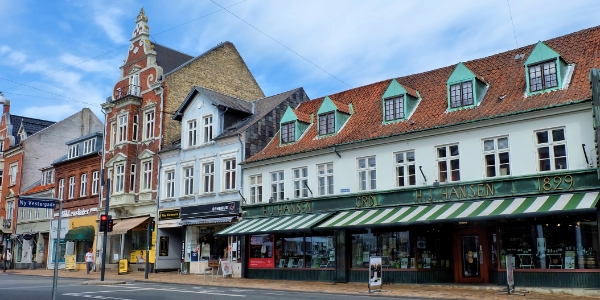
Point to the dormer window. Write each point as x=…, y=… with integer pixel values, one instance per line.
x=89, y=146
x=73, y=151
x=394, y=108
x=327, y=123
x=288, y=132
x=543, y=76
x=461, y=94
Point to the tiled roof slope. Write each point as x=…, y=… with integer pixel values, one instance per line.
x=505, y=75
x=303, y=117
x=168, y=58
x=31, y=126
x=38, y=188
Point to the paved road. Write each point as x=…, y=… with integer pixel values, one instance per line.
x=18, y=287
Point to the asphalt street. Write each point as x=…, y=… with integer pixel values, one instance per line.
x=18, y=287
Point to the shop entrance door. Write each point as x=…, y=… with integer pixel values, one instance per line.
x=471, y=261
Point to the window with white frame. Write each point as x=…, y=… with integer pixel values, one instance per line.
x=300, y=182
x=21, y=214
x=83, y=185
x=208, y=177
x=542, y=76
x=191, y=133
x=132, y=172
x=288, y=132
x=113, y=134
x=47, y=213
x=229, y=167
x=207, y=128
x=13, y=174
x=170, y=184
x=394, y=108
x=73, y=151
x=188, y=181
x=277, y=185
x=37, y=213
x=327, y=123
x=10, y=209
x=405, y=168
x=71, y=187
x=367, y=173
x=149, y=124
x=325, y=179
x=147, y=175
x=119, y=178
x=134, y=128
x=461, y=94
x=448, y=161
x=95, y=182
x=256, y=189
x=495, y=157
x=122, y=135
x=89, y=146
x=134, y=85
x=551, y=149
x=1, y=177
x=61, y=189
x=47, y=177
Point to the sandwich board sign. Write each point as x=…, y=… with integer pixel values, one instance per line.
x=375, y=278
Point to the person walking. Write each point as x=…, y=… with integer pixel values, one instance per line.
x=89, y=260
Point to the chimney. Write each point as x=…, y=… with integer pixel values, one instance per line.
x=6, y=106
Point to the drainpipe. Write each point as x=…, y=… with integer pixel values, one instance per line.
x=157, y=205
x=242, y=158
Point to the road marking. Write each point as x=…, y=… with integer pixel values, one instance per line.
x=137, y=289
x=278, y=294
x=14, y=288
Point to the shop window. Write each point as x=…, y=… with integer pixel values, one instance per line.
x=432, y=248
x=405, y=168
x=552, y=149
x=569, y=243
x=320, y=252
x=82, y=248
x=367, y=173
x=448, y=161
x=261, y=251
x=495, y=155
x=300, y=182
x=394, y=248
x=138, y=240
x=61, y=251
x=289, y=252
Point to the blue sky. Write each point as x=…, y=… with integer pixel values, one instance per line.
x=68, y=53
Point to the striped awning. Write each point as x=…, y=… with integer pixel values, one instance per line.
x=275, y=224
x=499, y=208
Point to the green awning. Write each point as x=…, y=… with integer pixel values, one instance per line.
x=82, y=233
x=275, y=224
x=458, y=211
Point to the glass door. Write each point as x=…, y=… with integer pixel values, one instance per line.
x=470, y=249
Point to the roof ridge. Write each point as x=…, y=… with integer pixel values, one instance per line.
x=61, y=121
x=22, y=117
x=196, y=57
x=292, y=90
x=172, y=49
x=199, y=86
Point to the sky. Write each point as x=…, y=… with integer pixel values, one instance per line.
x=57, y=57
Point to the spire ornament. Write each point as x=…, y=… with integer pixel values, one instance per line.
x=142, y=16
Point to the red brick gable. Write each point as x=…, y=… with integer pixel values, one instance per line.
x=505, y=95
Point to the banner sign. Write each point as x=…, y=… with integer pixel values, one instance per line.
x=510, y=277
x=374, y=272
x=37, y=203
x=70, y=263
x=226, y=267
x=210, y=210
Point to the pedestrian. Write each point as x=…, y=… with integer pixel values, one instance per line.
x=89, y=260
x=8, y=258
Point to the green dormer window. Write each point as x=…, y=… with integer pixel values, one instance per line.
x=327, y=123
x=293, y=124
x=288, y=131
x=399, y=102
x=545, y=70
x=332, y=115
x=465, y=88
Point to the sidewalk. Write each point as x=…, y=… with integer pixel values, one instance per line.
x=432, y=291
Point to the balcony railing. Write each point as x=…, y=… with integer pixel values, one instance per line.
x=129, y=90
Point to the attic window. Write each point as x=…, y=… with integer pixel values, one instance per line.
x=288, y=132
x=394, y=108
x=543, y=76
x=327, y=123
x=461, y=94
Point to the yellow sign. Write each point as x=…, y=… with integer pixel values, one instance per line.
x=70, y=263
x=139, y=257
x=123, y=266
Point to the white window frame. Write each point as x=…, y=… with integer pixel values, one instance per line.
x=61, y=189
x=134, y=84
x=277, y=185
x=149, y=124
x=256, y=189
x=187, y=184
x=71, y=187
x=367, y=175
x=132, y=177
x=191, y=133
x=95, y=182
x=113, y=135
x=134, y=127
x=122, y=128
x=229, y=174
x=83, y=185
x=447, y=160
x=495, y=153
x=300, y=181
x=146, y=180
x=551, y=145
x=208, y=177
x=325, y=179
x=73, y=151
x=47, y=177
x=170, y=183
x=37, y=213
x=119, y=174
x=207, y=128
x=48, y=213
x=91, y=146
x=12, y=173
x=404, y=165
x=10, y=209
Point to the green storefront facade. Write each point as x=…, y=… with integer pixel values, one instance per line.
x=454, y=232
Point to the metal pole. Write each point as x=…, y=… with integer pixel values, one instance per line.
x=4, y=257
x=147, y=251
x=105, y=232
x=56, y=250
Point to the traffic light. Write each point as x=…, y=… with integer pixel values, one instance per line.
x=7, y=237
x=151, y=227
x=103, y=221
x=109, y=224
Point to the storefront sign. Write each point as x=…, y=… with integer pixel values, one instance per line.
x=461, y=192
x=123, y=266
x=226, y=267
x=375, y=272
x=173, y=214
x=164, y=246
x=261, y=263
x=137, y=257
x=79, y=212
x=303, y=207
x=70, y=263
x=211, y=210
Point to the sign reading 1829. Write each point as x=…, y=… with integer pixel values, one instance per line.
x=555, y=183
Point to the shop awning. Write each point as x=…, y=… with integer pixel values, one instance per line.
x=82, y=233
x=489, y=209
x=124, y=225
x=197, y=221
x=275, y=224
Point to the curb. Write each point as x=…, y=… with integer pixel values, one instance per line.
x=97, y=282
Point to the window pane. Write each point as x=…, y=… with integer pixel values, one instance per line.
x=454, y=150
x=281, y=175
x=410, y=156
x=544, y=164
x=362, y=163
x=454, y=165
x=443, y=171
x=560, y=163
x=542, y=137
x=503, y=143
x=399, y=158
x=560, y=150
x=400, y=174
x=371, y=162
x=490, y=165
x=558, y=135
x=441, y=152
x=544, y=152
x=503, y=158
x=373, y=179
x=488, y=145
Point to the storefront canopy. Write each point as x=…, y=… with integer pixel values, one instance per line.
x=463, y=211
x=275, y=224
x=124, y=225
x=82, y=233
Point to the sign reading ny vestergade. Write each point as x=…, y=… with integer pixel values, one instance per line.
x=37, y=203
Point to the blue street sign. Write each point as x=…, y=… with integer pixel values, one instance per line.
x=37, y=203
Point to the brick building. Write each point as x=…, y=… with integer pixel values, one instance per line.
x=154, y=81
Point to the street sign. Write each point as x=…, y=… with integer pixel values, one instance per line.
x=37, y=203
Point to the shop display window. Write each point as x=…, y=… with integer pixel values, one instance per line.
x=434, y=248
x=82, y=248
x=320, y=252
x=292, y=251
x=394, y=248
x=261, y=251
x=568, y=242
x=203, y=245
x=289, y=252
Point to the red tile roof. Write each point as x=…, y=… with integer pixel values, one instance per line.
x=38, y=188
x=343, y=107
x=411, y=91
x=303, y=117
x=505, y=75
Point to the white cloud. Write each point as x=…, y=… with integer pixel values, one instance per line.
x=11, y=57
x=108, y=19
x=106, y=67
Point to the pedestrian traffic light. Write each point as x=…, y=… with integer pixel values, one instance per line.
x=109, y=224
x=7, y=237
x=103, y=221
x=151, y=227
